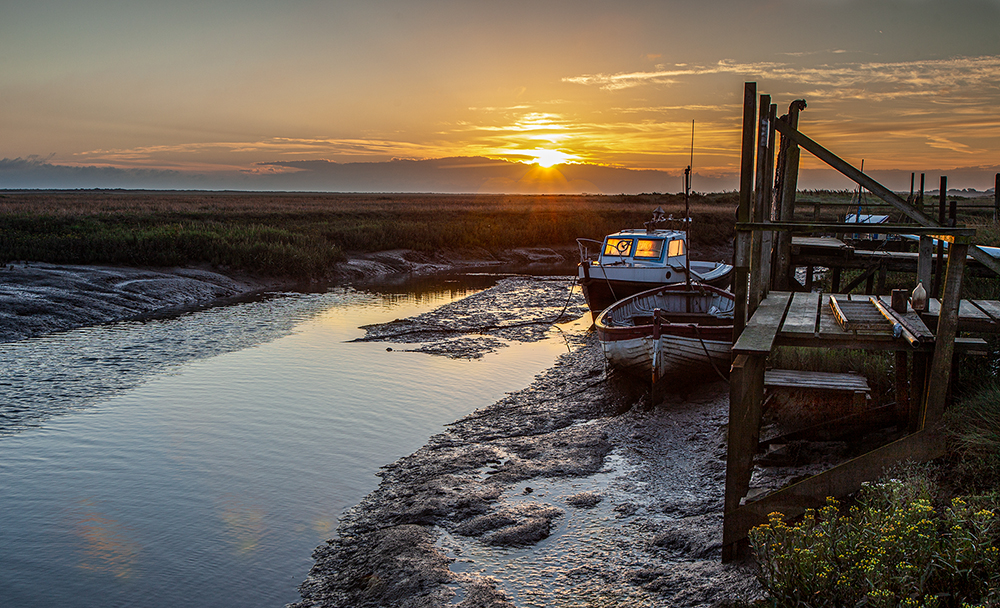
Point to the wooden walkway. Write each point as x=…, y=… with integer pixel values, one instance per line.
x=770, y=245
x=808, y=320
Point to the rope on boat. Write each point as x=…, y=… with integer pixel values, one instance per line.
x=705, y=348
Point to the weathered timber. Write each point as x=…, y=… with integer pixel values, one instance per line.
x=989, y=307
x=762, y=198
x=803, y=379
x=741, y=248
x=746, y=397
x=802, y=317
x=877, y=189
x=841, y=480
x=944, y=344
x=759, y=333
x=786, y=204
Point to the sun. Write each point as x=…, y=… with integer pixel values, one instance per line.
x=547, y=158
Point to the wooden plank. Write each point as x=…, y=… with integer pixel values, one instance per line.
x=967, y=310
x=972, y=346
x=800, y=320
x=759, y=334
x=911, y=321
x=793, y=378
x=819, y=242
x=839, y=481
x=944, y=343
x=989, y=307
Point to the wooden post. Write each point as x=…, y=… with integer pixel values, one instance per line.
x=786, y=206
x=746, y=396
x=920, y=197
x=996, y=199
x=944, y=339
x=767, y=236
x=741, y=249
x=925, y=261
x=899, y=300
x=939, y=267
x=761, y=203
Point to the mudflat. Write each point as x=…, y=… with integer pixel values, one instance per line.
x=37, y=298
x=571, y=490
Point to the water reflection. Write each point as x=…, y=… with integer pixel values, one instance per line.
x=107, y=545
x=198, y=461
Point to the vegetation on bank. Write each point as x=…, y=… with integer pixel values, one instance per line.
x=306, y=234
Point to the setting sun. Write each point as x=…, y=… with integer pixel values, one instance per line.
x=547, y=158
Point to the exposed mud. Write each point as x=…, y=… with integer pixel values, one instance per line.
x=38, y=298
x=567, y=493
x=521, y=309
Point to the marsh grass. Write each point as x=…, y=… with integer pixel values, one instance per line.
x=973, y=426
x=305, y=235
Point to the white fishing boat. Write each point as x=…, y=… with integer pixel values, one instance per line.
x=669, y=331
x=632, y=261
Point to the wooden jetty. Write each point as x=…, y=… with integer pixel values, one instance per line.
x=773, y=309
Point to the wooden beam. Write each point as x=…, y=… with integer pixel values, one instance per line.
x=759, y=334
x=944, y=344
x=877, y=189
x=762, y=199
x=786, y=206
x=746, y=397
x=741, y=248
x=839, y=481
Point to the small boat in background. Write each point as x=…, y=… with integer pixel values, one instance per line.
x=632, y=261
x=674, y=330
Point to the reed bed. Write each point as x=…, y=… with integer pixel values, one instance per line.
x=306, y=234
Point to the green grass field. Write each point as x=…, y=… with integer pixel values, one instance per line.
x=304, y=235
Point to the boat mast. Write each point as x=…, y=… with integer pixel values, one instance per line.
x=687, y=213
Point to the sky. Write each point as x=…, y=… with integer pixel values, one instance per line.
x=448, y=95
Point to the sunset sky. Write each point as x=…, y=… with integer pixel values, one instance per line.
x=238, y=94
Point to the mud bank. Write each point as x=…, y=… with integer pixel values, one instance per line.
x=38, y=298
x=567, y=493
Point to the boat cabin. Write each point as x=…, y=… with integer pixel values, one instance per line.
x=640, y=248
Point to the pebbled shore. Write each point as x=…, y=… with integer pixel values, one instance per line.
x=567, y=493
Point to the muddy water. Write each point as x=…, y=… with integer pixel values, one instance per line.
x=198, y=461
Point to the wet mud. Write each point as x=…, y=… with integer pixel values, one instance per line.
x=570, y=492
x=521, y=309
x=38, y=298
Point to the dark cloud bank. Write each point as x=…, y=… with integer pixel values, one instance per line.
x=445, y=175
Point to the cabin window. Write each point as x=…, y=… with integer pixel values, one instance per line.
x=676, y=248
x=619, y=247
x=649, y=249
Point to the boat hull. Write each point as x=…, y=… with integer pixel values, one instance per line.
x=689, y=342
x=604, y=285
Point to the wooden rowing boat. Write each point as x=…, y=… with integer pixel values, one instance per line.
x=671, y=331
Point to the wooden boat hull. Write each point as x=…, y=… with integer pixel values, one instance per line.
x=684, y=344
x=604, y=285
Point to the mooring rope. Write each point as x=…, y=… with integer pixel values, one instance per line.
x=705, y=348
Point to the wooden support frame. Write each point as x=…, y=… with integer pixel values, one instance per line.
x=924, y=400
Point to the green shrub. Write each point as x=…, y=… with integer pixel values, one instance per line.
x=892, y=549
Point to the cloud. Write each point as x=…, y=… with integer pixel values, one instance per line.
x=953, y=72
